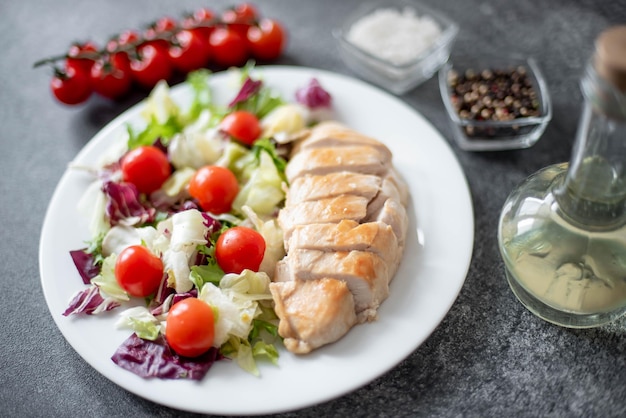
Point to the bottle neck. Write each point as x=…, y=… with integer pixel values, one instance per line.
x=594, y=190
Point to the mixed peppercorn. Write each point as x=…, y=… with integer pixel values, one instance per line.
x=493, y=95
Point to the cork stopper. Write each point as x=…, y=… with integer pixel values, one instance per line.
x=610, y=56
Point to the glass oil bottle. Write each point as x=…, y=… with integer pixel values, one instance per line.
x=562, y=231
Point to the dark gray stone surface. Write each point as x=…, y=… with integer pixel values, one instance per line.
x=489, y=356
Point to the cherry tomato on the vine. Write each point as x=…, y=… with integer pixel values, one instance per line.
x=229, y=47
x=157, y=33
x=215, y=188
x=266, y=40
x=81, y=48
x=151, y=65
x=71, y=86
x=190, y=327
x=146, y=167
x=242, y=125
x=110, y=76
x=201, y=21
x=138, y=271
x=189, y=51
x=239, y=248
x=240, y=17
x=124, y=38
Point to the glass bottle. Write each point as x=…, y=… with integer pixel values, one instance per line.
x=562, y=231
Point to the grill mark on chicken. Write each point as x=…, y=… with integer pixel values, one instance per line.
x=344, y=221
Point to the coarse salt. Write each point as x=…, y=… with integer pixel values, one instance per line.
x=397, y=36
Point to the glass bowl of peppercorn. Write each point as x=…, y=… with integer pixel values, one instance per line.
x=498, y=103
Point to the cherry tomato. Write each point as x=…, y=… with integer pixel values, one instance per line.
x=151, y=65
x=125, y=38
x=162, y=28
x=189, y=51
x=242, y=125
x=190, y=327
x=70, y=86
x=81, y=48
x=239, y=248
x=240, y=17
x=138, y=271
x=215, y=188
x=229, y=47
x=201, y=21
x=110, y=76
x=266, y=40
x=146, y=167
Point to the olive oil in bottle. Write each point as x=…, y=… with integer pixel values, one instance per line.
x=562, y=232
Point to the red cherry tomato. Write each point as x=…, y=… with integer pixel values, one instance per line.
x=125, y=38
x=151, y=65
x=215, y=188
x=229, y=47
x=73, y=55
x=242, y=125
x=266, y=40
x=110, y=76
x=240, y=17
x=138, y=271
x=201, y=21
x=157, y=33
x=190, y=327
x=189, y=51
x=71, y=86
x=146, y=167
x=239, y=248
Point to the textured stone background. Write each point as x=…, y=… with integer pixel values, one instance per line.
x=489, y=357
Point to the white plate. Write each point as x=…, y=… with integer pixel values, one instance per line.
x=435, y=263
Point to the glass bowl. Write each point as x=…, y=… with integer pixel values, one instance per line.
x=505, y=129
x=397, y=78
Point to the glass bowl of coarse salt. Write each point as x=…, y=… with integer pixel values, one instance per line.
x=396, y=44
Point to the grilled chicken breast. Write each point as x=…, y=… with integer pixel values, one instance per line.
x=344, y=225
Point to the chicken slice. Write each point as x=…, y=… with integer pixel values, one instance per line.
x=312, y=313
x=334, y=209
x=365, y=273
x=315, y=187
x=334, y=134
x=346, y=235
x=355, y=158
x=394, y=214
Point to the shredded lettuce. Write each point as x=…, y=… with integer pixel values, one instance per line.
x=263, y=192
x=106, y=280
x=141, y=321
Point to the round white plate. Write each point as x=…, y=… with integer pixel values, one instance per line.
x=435, y=263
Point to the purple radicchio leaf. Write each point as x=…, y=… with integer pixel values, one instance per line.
x=90, y=302
x=85, y=264
x=124, y=207
x=212, y=224
x=161, y=307
x=156, y=359
x=248, y=89
x=313, y=95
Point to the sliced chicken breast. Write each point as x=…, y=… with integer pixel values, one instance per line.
x=365, y=273
x=315, y=187
x=347, y=235
x=312, y=313
x=355, y=158
x=332, y=210
x=334, y=134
